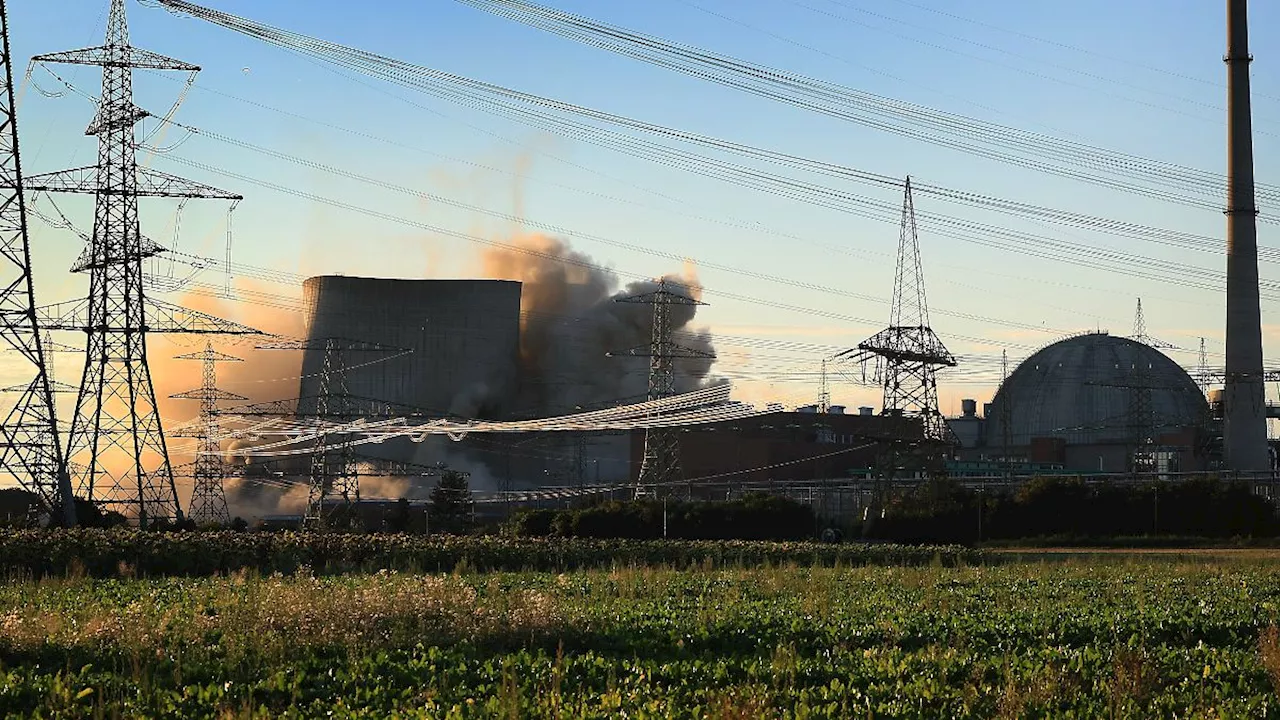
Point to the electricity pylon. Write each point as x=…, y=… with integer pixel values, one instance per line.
x=116, y=427
x=824, y=391
x=1202, y=370
x=30, y=447
x=208, y=496
x=333, y=468
x=1006, y=418
x=908, y=352
x=661, y=464
x=1141, y=411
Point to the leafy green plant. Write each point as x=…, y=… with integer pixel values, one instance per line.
x=1139, y=638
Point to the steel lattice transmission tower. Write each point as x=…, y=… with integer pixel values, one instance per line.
x=1202, y=370
x=333, y=471
x=1141, y=418
x=824, y=391
x=1142, y=415
x=31, y=451
x=1006, y=419
x=116, y=429
x=908, y=353
x=208, y=496
x=660, y=466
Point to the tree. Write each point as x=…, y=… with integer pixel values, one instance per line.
x=397, y=520
x=452, y=507
x=17, y=507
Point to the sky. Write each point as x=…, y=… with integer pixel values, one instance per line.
x=1144, y=77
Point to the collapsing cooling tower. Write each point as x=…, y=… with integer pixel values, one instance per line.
x=464, y=334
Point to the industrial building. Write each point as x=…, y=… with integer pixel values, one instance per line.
x=783, y=447
x=1089, y=403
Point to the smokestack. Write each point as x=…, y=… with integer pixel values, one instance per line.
x=1245, y=423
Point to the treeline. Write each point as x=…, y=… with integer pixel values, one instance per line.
x=944, y=511
x=753, y=517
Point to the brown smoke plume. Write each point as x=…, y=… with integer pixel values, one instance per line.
x=263, y=375
x=574, y=334
x=574, y=340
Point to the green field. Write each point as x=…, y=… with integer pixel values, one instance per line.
x=1160, y=635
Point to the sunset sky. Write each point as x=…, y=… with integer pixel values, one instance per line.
x=1144, y=77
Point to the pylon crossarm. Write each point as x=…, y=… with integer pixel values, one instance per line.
x=665, y=297
x=209, y=354
x=328, y=343
x=369, y=466
x=161, y=317
x=116, y=56
x=150, y=183
x=91, y=257
x=666, y=350
x=207, y=394
x=54, y=386
x=166, y=317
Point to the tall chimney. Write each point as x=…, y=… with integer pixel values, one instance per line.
x=1245, y=422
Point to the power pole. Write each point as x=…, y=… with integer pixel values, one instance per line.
x=580, y=459
x=661, y=464
x=1141, y=418
x=208, y=497
x=116, y=428
x=908, y=352
x=824, y=391
x=1202, y=370
x=30, y=447
x=333, y=471
x=1006, y=418
x=329, y=470
x=1142, y=411
x=1245, y=425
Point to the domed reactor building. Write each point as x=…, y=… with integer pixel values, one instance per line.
x=1092, y=403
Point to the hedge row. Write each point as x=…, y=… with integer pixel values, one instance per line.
x=113, y=552
x=754, y=517
x=945, y=512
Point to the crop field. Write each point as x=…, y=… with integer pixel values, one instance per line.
x=1167, y=636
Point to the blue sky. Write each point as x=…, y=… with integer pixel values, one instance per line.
x=1143, y=77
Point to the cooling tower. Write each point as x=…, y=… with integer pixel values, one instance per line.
x=464, y=336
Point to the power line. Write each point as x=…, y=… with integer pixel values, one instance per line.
x=1063, y=158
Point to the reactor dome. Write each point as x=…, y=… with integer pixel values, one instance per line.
x=1087, y=390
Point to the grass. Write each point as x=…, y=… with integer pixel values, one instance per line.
x=1127, y=638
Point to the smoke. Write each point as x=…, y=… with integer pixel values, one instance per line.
x=575, y=340
x=576, y=343
x=575, y=335
x=262, y=376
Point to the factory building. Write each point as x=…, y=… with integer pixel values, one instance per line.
x=784, y=446
x=1083, y=403
x=1077, y=404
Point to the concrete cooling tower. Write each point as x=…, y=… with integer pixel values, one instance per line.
x=464, y=336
